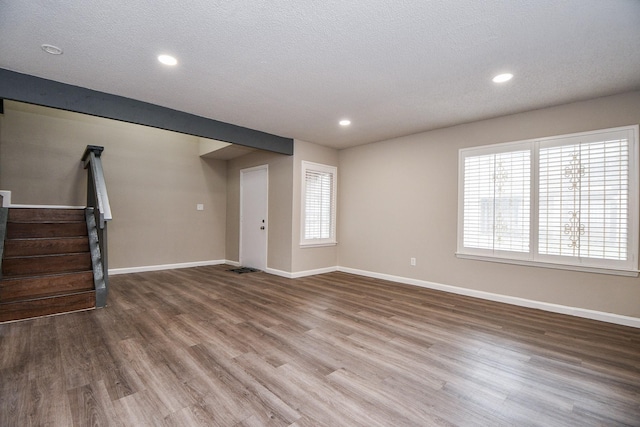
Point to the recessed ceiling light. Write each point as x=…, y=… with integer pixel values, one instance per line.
x=167, y=60
x=501, y=78
x=345, y=122
x=53, y=50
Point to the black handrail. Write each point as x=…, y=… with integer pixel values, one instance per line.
x=98, y=214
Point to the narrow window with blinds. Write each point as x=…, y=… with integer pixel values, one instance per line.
x=569, y=201
x=318, y=219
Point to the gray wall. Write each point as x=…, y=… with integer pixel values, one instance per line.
x=155, y=179
x=279, y=222
x=283, y=252
x=398, y=199
x=309, y=258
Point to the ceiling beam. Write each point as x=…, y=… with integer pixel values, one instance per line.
x=35, y=90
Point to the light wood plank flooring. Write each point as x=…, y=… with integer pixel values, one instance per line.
x=204, y=346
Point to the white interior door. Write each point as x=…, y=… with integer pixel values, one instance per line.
x=254, y=190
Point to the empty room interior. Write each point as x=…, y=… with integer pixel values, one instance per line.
x=418, y=213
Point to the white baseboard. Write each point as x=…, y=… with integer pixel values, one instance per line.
x=275, y=272
x=280, y=273
x=127, y=270
x=522, y=302
x=299, y=274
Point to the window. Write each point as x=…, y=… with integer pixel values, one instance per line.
x=318, y=223
x=568, y=201
x=496, y=201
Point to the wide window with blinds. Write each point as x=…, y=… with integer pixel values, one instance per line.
x=569, y=201
x=318, y=223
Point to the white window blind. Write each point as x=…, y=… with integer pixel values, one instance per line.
x=318, y=200
x=583, y=200
x=569, y=200
x=496, y=201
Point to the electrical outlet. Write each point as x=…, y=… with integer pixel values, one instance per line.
x=200, y=207
x=413, y=262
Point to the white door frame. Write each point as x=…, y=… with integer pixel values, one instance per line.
x=266, y=213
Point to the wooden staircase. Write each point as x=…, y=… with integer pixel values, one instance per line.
x=46, y=265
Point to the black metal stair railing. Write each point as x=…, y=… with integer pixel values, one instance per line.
x=98, y=214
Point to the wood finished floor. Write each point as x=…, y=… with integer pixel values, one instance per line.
x=204, y=346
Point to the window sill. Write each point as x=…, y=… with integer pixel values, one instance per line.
x=304, y=245
x=582, y=268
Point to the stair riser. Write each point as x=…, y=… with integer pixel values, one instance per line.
x=29, y=266
x=32, y=287
x=46, y=306
x=27, y=247
x=45, y=215
x=36, y=230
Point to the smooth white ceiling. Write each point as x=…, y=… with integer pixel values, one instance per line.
x=394, y=67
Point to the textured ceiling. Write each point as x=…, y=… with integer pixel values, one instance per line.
x=295, y=68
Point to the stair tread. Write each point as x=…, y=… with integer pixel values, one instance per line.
x=25, y=287
x=20, y=230
x=45, y=246
x=28, y=239
x=28, y=275
x=47, y=255
x=46, y=264
x=44, y=221
x=45, y=306
x=5, y=280
x=44, y=296
x=46, y=214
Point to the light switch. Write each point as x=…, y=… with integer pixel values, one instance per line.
x=200, y=207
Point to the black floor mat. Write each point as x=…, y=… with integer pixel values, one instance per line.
x=242, y=270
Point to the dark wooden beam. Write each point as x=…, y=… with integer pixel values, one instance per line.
x=35, y=90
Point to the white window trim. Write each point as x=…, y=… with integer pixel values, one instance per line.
x=331, y=241
x=631, y=269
